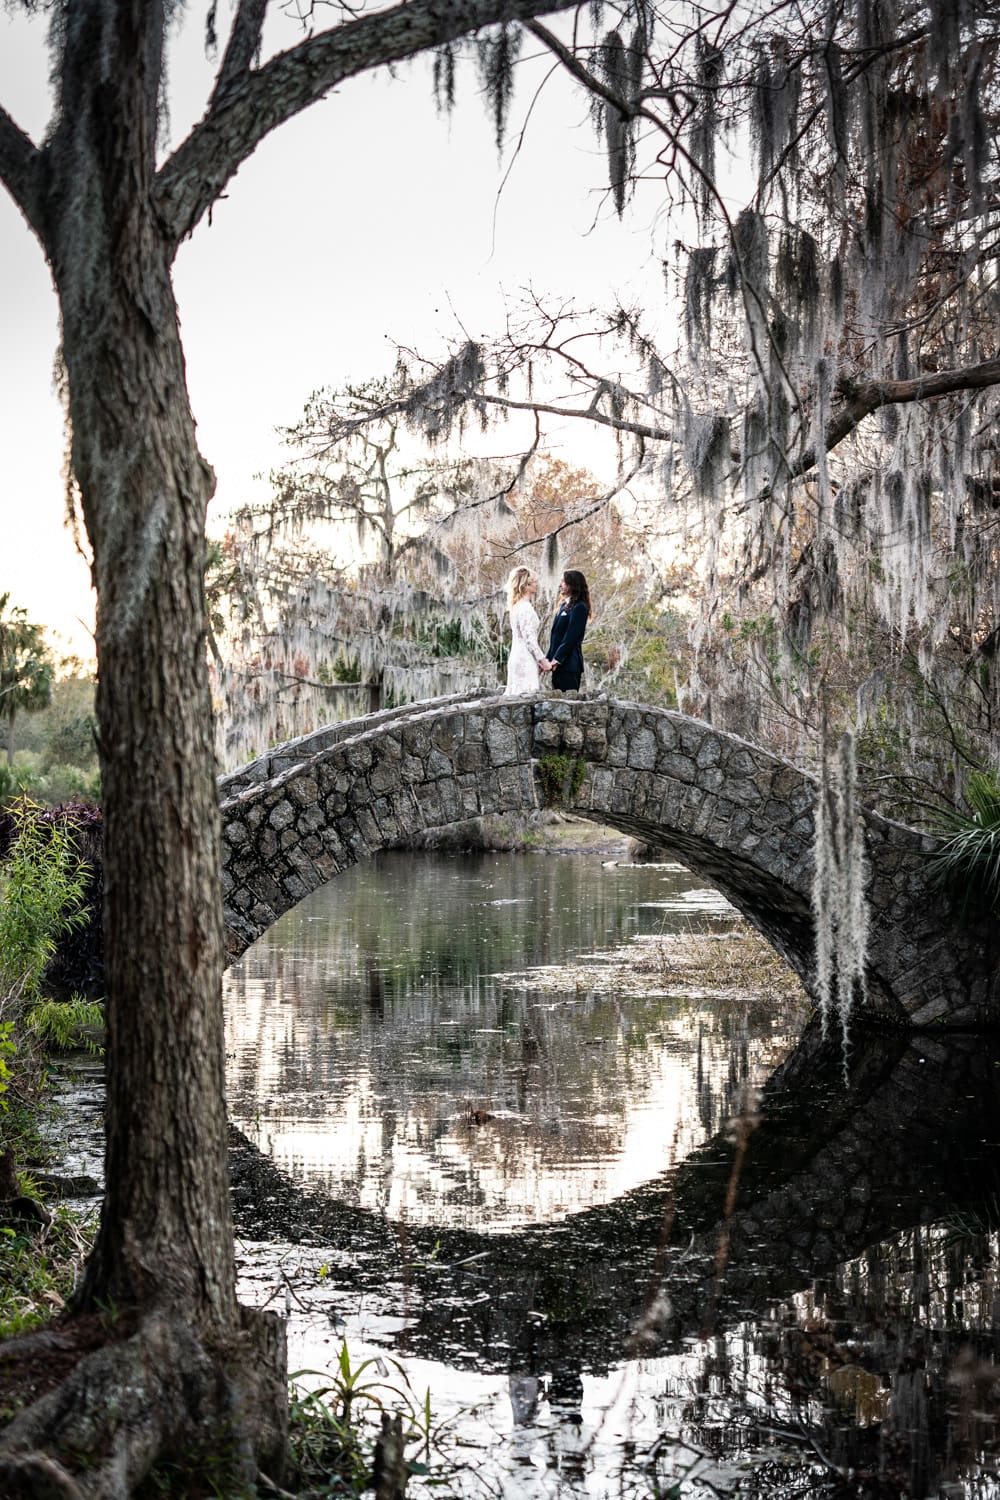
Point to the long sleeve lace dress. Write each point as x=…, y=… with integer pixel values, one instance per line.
x=525, y=652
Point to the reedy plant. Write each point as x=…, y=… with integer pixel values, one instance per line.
x=333, y=1426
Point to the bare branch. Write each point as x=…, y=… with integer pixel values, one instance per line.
x=864, y=399
x=256, y=102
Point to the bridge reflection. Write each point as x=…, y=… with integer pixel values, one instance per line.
x=815, y=1175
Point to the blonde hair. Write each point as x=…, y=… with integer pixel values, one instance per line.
x=518, y=583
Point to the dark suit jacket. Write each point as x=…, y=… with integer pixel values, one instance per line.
x=567, y=637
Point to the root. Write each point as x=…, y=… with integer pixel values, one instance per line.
x=159, y=1396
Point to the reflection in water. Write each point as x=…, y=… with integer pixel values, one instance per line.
x=381, y=1045
x=809, y=1305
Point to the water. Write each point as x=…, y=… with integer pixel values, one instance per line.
x=475, y=1152
x=410, y=1042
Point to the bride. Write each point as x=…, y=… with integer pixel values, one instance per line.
x=526, y=658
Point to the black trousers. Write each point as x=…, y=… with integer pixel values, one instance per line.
x=566, y=682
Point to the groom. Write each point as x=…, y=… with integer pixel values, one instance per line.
x=565, y=655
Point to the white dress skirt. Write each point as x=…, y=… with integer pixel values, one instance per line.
x=525, y=652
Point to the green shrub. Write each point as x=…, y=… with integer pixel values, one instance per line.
x=42, y=884
x=63, y=1025
x=968, y=861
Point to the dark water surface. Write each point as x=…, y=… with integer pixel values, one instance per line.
x=468, y=1152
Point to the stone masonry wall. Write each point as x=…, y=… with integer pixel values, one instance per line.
x=729, y=811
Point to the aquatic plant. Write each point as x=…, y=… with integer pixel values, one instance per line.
x=336, y=1447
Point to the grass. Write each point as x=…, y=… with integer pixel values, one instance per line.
x=39, y=1269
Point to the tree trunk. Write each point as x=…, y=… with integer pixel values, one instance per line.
x=11, y=741
x=164, y=1256
x=165, y=1235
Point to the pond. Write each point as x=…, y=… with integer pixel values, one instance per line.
x=629, y=1237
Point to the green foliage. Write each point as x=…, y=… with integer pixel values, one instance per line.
x=7, y=1049
x=42, y=885
x=37, y=1272
x=332, y=1428
x=26, y=666
x=63, y=1025
x=56, y=757
x=968, y=862
x=561, y=777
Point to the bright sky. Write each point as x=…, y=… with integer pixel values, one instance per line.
x=366, y=220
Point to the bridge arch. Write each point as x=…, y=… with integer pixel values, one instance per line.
x=731, y=812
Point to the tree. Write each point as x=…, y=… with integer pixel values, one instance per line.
x=346, y=590
x=25, y=667
x=109, y=221
x=823, y=426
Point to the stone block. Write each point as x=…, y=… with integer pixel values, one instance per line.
x=367, y=827
x=429, y=801
x=235, y=833
x=384, y=777
x=264, y=888
x=709, y=753
x=676, y=766
x=358, y=755
x=451, y=801
x=471, y=756
x=601, y=786
x=299, y=884
x=282, y=814
x=303, y=791
x=546, y=737
x=509, y=783
x=262, y=916
x=438, y=764
x=642, y=748
x=308, y=821
x=501, y=742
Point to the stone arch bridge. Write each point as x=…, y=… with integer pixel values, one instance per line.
x=732, y=813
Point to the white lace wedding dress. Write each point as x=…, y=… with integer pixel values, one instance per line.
x=525, y=652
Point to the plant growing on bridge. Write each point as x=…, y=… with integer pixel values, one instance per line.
x=561, y=777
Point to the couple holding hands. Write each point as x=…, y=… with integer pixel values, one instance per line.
x=565, y=659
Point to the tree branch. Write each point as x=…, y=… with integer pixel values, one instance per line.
x=862, y=400
x=244, y=40
x=22, y=171
x=253, y=103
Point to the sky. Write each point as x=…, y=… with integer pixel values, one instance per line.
x=366, y=221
